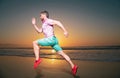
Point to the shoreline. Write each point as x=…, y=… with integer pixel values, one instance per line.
x=70, y=47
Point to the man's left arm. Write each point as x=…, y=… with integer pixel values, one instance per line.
x=58, y=23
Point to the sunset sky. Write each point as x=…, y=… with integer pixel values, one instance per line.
x=89, y=22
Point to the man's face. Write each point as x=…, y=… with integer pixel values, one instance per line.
x=42, y=16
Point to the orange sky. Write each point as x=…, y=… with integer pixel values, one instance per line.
x=88, y=25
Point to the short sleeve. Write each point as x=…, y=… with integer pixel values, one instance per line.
x=50, y=22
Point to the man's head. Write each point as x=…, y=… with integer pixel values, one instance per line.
x=44, y=14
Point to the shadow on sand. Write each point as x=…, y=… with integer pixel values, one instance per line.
x=77, y=76
x=1, y=74
x=69, y=72
x=40, y=75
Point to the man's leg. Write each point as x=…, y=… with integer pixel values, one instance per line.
x=74, y=67
x=67, y=58
x=42, y=42
x=36, y=49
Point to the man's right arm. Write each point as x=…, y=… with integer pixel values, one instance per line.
x=35, y=26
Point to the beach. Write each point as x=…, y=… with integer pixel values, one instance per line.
x=22, y=67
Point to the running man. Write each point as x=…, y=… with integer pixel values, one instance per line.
x=50, y=40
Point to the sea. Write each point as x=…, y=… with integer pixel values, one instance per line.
x=87, y=53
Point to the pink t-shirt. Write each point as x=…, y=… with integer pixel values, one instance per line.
x=47, y=28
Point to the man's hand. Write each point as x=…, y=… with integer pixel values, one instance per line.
x=39, y=30
x=33, y=21
x=66, y=34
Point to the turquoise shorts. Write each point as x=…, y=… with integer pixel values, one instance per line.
x=50, y=41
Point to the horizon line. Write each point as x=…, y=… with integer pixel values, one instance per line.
x=70, y=47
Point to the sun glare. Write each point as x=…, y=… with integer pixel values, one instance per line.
x=53, y=51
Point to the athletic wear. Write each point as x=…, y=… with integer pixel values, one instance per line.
x=50, y=41
x=74, y=70
x=37, y=62
x=47, y=28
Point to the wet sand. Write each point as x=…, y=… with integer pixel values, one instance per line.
x=22, y=67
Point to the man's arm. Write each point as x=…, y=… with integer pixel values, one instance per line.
x=35, y=26
x=58, y=23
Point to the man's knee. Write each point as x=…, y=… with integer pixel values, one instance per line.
x=61, y=53
x=34, y=42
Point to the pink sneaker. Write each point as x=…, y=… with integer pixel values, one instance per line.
x=37, y=62
x=74, y=70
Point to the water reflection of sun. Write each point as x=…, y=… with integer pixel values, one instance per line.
x=53, y=51
x=53, y=57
